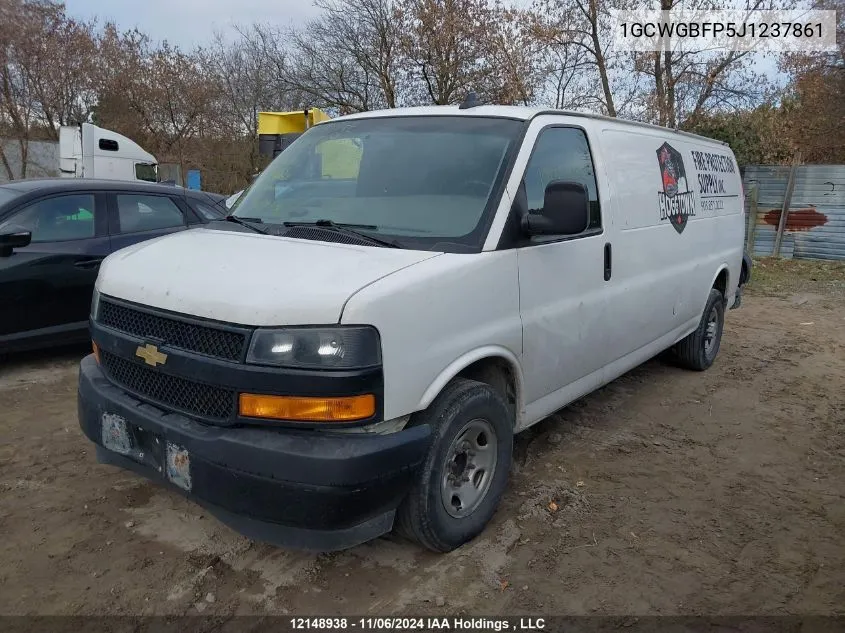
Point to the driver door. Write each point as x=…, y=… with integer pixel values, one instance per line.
x=563, y=292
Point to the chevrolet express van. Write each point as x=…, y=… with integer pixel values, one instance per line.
x=345, y=355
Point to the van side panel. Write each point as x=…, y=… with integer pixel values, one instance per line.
x=678, y=220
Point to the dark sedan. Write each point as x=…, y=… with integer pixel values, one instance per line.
x=53, y=236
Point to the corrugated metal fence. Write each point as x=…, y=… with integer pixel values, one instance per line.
x=815, y=224
x=42, y=159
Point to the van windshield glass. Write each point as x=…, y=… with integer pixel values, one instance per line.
x=420, y=180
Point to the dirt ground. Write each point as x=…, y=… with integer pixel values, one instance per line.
x=667, y=492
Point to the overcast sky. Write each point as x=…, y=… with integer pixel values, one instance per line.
x=190, y=22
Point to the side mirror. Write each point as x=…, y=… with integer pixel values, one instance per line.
x=12, y=237
x=566, y=211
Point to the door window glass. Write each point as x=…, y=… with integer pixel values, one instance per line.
x=561, y=154
x=147, y=213
x=57, y=219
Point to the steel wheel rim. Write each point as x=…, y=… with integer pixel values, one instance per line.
x=711, y=331
x=469, y=468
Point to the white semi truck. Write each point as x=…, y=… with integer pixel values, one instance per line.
x=88, y=151
x=83, y=151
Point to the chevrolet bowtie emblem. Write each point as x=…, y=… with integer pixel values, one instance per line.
x=151, y=355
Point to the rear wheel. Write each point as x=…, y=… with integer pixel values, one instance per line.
x=466, y=470
x=698, y=350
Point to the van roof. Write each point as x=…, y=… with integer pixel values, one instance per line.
x=522, y=113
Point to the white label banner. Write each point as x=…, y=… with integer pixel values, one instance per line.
x=736, y=30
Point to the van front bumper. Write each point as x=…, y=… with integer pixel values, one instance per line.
x=303, y=489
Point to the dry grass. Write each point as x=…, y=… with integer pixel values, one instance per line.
x=782, y=277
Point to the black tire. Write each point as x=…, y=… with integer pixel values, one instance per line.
x=693, y=351
x=423, y=516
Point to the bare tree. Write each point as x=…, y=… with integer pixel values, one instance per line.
x=15, y=93
x=250, y=72
x=349, y=58
x=685, y=82
x=673, y=87
x=566, y=72
x=159, y=95
x=200, y=107
x=253, y=69
x=63, y=77
x=445, y=44
x=814, y=106
x=514, y=57
x=46, y=81
x=580, y=54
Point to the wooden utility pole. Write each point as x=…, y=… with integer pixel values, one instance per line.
x=787, y=200
x=752, y=218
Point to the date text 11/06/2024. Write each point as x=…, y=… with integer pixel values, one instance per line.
x=419, y=624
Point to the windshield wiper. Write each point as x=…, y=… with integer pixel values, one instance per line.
x=349, y=229
x=247, y=222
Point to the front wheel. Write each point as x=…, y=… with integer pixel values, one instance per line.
x=698, y=350
x=466, y=470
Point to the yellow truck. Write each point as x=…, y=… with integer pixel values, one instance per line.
x=277, y=130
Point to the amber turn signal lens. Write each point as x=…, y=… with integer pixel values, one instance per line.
x=96, y=351
x=347, y=409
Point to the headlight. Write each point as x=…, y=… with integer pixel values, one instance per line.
x=320, y=348
x=95, y=304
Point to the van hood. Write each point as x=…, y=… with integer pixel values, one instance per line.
x=247, y=278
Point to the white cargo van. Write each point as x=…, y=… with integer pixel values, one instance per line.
x=356, y=346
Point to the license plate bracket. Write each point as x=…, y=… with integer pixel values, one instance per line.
x=178, y=466
x=170, y=460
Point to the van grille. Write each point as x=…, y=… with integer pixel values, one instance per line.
x=175, y=333
x=187, y=396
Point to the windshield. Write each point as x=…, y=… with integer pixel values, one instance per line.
x=420, y=180
x=146, y=171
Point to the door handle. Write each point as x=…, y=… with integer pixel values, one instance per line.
x=608, y=269
x=88, y=263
